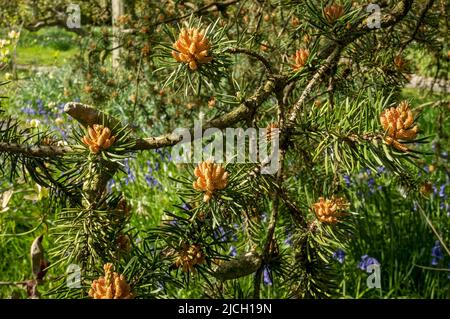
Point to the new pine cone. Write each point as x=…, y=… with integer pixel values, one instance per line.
x=98, y=138
x=189, y=257
x=398, y=122
x=300, y=58
x=192, y=48
x=333, y=12
x=111, y=286
x=330, y=210
x=210, y=177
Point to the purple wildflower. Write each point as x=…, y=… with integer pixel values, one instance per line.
x=339, y=255
x=442, y=191
x=173, y=221
x=371, y=184
x=436, y=253
x=220, y=234
x=267, y=276
x=40, y=106
x=435, y=191
x=288, y=240
x=62, y=133
x=380, y=170
x=347, y=180
x=366, y=261
x=130, y=178
x=151, y=180
x=110, y=184
x=28, y=110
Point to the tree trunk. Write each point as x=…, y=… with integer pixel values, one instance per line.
x=117, y=11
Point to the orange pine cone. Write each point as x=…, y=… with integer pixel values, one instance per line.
x=145, y=50
x=295, y=22
x=426, y=188
x=329, y=210
x=98, y=138
x=111, y=286
x=192, y=48
x=300, y=58
x=333, y=12
x=210, y=177
x=399, y=62
x=189, y=257
x=212, y=102
x=88, y=89
x=399, y=125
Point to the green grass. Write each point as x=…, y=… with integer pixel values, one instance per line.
x=43, y=56
x=49, y=46
x=420, y=96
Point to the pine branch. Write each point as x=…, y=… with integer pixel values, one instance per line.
x=34, y=150
x=425, y=9
x=255, y=55
x=316, y=79
x=335, y=48
x=211, y=7
x=58, y=19
x=281, y=108
x=243, y=112
x=88, y=116
x=219, y=6
x=14, y=283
